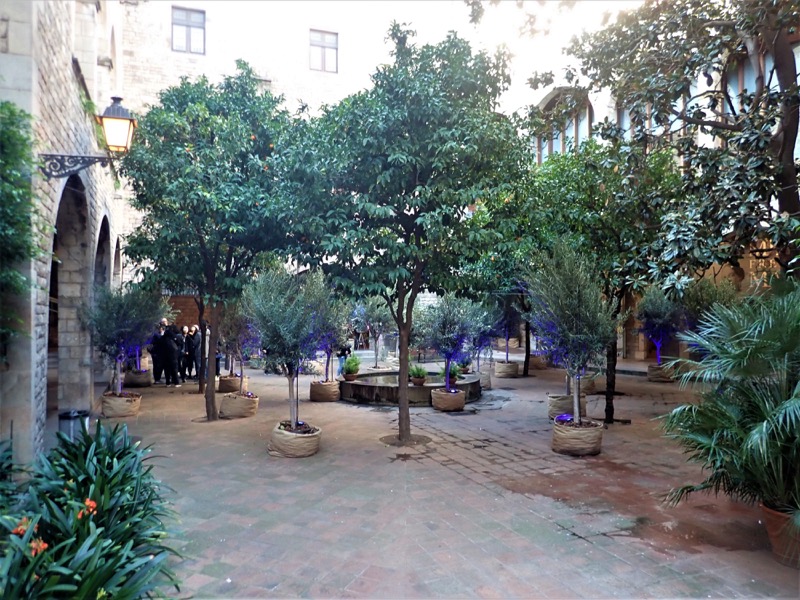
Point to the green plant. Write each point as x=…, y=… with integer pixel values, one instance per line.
x=89, y=524
x=701, y=295
x=455, y=372
x=660, y=317
x=352, y=364
x=569, y=312
x=417, y=371
x=449, y=329
x=744, y=431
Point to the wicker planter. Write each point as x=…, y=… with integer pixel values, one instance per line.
x=784, y=539
x=588, y=386
x=293, y=445
x=230, y=384
x=448, y=401
x=464, y=370
x=577, y=441
x=137, y=379
x=559, y=404
x=486, y=381
x=539, y=362
x=419, y=380
x=659, y=374
x=324, y=391
x=238, y=406
x=506, y=370
x=116, y=407
x=350, y=376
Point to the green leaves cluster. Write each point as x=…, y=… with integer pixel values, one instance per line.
x=89, y=523
x=660, y=316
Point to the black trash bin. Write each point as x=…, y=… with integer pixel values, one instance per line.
x=71, y=421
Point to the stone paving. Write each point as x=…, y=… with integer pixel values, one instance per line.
x=485, y=510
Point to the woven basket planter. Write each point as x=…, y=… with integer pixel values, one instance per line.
x=324, y=391
x=659, y=374
x=538, y=362
x=293, y=445
x=448, y=401
x=577, y=441
x=588, y=386
x=559, y=404
x=230, y=384
x=486, y=381
x=134, y=379
x=115, y=407
x=236, y=406
x=784, y=539
x=506, y=370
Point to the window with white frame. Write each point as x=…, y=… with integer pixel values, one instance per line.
x=188, y=30
x=323, y=51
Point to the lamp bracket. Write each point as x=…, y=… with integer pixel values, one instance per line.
x=64, y=165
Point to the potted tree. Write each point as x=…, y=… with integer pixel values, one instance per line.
x=744, y=429
x=484, y=322
x=120, y=320
x=660, y=317
x=448, y=332
x=373, y=316
x=240, y=338
x=283, y=309
x=576, y=323
x=333, y=328
x=509, y=323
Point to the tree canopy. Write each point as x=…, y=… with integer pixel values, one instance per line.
x=384, y=206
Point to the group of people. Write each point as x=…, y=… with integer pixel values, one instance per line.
x=176, y=353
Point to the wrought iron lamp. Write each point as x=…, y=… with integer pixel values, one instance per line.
x=118, y=126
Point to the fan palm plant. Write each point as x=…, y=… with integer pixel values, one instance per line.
x=744, y=430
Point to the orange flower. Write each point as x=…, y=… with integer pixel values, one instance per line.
x=21, y=527
x=252, y=137
x=91, y=508
x=38, y=545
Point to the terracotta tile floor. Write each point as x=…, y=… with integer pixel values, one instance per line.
x=485, y=510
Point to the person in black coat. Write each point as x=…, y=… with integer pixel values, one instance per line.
x=173, y=347
x=192, y=349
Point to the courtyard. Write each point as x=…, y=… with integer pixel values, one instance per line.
x=485, y=510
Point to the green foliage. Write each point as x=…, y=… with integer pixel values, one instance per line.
x=702, y=295
x=568, y=310
x=449, y=329
x=744, y=430
x=352, y=364
x=417, y=371
x=121, y=319
x=19, y=223
x=673, y=66
x=660, y=316
x=89, y=524
x=451, y=374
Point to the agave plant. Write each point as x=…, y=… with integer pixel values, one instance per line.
x=744, y=430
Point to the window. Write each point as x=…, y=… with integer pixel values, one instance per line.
x=188, y=30
x=324, y=51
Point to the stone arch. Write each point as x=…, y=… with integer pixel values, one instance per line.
x=102, y=256
x=116, y=275
x=70, y=287
x=575, y=130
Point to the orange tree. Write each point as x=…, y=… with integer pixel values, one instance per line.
x=380, y=184
x=200, y=173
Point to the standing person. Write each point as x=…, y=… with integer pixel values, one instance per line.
x=193, y=351
x=344, y=352
x=156, y=349
x=185, y=364
x=172, y=351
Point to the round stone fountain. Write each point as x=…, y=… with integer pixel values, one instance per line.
x=381, y=389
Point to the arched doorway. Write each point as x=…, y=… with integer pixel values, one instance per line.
x=102, y=256
x=69, y=356
x=116, y=276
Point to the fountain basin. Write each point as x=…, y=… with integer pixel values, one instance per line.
x=382, y=389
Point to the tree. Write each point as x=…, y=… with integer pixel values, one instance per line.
x=382, y=181
x=611, y=201
x=239, y=337
x=660, y=316
x=200, y=173
x=449, y=330
x=121, y=320
x=20, y=227
x=675, y=68
x=333, y=329
x=287, y=311
x=575, y=320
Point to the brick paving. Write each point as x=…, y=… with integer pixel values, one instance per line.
x=485, y=510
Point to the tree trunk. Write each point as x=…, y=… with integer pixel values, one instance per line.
x=375, y=345
x=201, y=376
x=526, y=365
x=576, y=400
x=328, y=367
x=118, y=375
x=611, y=379
x=294, y=408
x=403, y=412
x=212, y=414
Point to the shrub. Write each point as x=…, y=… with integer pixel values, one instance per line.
x=89, y=524
x=417, y=371
x=352, y=364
